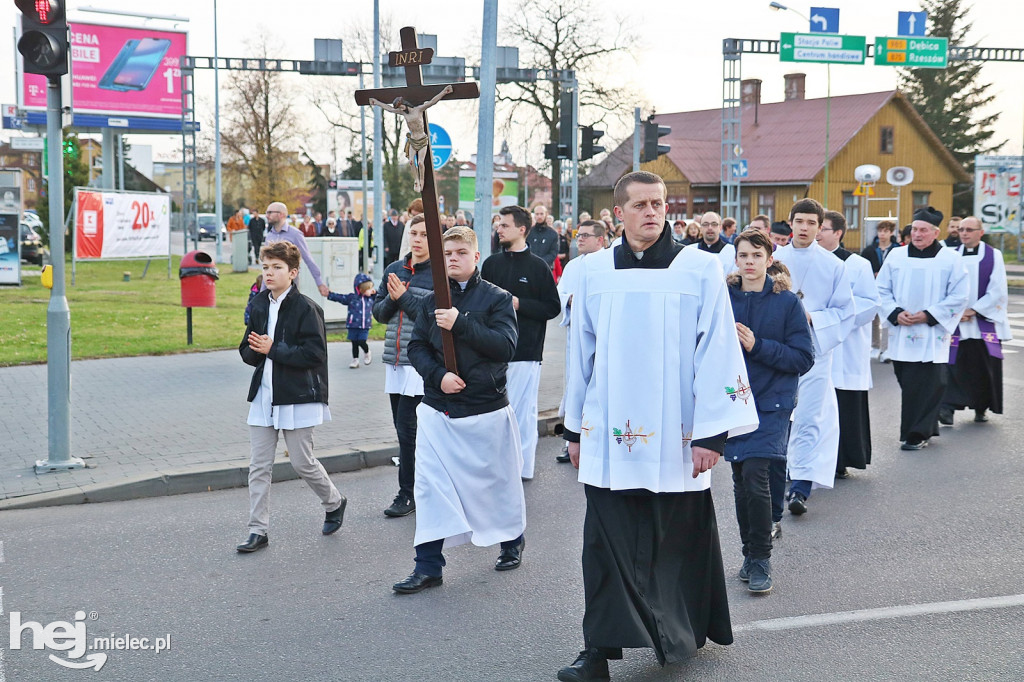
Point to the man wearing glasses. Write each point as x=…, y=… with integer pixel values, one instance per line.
x=712, y=242
x=591, y=237
x=976, y=358
x=281, y=231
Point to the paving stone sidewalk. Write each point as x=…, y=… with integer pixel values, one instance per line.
x=138, y=418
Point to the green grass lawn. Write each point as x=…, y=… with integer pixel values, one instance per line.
x=114, y=318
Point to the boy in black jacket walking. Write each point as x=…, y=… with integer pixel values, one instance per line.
x=467, y=443
x=285, y=341
x=535, y=298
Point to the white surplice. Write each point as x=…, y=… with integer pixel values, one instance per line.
x=655, y=364
x=567, y=285
x=468, y=487
x=821, y=280
x=727, y=256
x=522, y=382
x=937, y=285
x=993, y=304
x=851, y=361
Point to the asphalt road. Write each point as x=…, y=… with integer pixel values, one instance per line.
x=899, y=541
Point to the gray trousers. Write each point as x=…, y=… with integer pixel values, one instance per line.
x=263, y=443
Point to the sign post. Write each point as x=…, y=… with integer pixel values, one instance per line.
x=912, y=53
x=822, y=48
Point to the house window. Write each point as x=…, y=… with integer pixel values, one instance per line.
x=922, y=199
x=886, y=143
x=851, y=210
x=744, y=218
x=766, y=203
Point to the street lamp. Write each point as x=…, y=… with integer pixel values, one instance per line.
x=778, y=6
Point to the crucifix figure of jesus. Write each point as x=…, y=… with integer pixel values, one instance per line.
x=416, y=140
x=412, y=102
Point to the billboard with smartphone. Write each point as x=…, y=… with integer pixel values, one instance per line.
x=119, y=71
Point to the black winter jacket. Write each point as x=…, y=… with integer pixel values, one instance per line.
x=544, y=243
x=299, y=351
x=485, y=341
x=400, y=315
x=524, y=275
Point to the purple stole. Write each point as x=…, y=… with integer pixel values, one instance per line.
x=987, y=327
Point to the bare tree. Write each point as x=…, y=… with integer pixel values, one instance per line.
x=568, y=34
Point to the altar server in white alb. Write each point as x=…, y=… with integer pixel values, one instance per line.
x=528, y=278
x=923, y=288
x=657, y=384
x=976, y=351
x=820, y=280
x=851, y=361
x=711, y=241
x=468, y=458
x=589, y=238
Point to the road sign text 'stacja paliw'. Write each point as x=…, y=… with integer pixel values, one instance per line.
x=822, y=48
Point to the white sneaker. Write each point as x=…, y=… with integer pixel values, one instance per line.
x=369, y=358
x=354, y=364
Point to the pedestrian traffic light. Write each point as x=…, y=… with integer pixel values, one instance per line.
x=555, y=151
x=44, y=37
x=588, y=147
x=653, y=131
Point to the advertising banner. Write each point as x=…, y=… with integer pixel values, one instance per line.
x=119, y=71
x=504, y=190
x=121, y=225
x=10, y=235
x=348, y=196
x=997, y=187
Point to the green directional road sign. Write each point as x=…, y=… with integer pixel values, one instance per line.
x=912, y=53
x=822, y=48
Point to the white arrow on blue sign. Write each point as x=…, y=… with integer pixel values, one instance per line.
x=824, y=20
x=911, y=23
x=440, y=145
x=740, y=169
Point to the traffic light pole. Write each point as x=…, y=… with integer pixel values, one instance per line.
x=58, y=315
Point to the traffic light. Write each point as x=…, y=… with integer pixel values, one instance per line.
x=588, y=147
x=653, y=131
x=565, y=129
x=555, y=151
x=44, y=37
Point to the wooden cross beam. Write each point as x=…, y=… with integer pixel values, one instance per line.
x=412, y=57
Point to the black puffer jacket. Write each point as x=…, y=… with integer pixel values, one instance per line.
x=299, y=351
x=485, y=341
x=400, y=315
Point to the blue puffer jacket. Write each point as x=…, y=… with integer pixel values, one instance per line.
x=360, y=308
x=782, y=352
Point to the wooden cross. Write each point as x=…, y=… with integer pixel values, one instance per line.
x=412, y=57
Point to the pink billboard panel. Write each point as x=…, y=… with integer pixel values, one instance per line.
x=119, y=71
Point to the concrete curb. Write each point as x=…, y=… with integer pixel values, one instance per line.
x=221, y=476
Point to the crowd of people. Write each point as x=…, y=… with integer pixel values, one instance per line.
x=758, y=349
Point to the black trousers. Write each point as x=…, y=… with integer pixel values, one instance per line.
x=753, y=506
x=403, y=414
x=777, y=483
x=976, y=380
x=922, y=385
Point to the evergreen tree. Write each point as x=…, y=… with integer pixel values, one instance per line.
x=76, y=174
x=317, y=186
x=950, y=100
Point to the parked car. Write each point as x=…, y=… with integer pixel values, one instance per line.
x=32, y=248
x=32, y=218
x=208, y=227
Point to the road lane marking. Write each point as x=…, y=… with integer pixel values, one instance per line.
x=884, y=613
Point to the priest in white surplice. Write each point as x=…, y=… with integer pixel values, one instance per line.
x=820, y=280
x=976, y=362
x=923, y=289
x=851, y=361
x=657, y=383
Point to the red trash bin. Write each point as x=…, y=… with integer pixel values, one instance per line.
x=198, y=274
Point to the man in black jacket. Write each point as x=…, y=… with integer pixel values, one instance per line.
x=257, y=228
x=543, y=240
x=535, y=297
x=393, y=230
x=467, y=445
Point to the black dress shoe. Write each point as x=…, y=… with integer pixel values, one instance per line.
x=843, y=474
x=563, y=458
x=589, y=665
x=333, y=519
x=510, y=558
x=797, y=504
x=914, y=444
x=417, y=582
x=255, y=542
x=980, y=416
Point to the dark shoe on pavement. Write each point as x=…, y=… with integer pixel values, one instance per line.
x=914, y=444
x=510, y=558
x=843, y=474
x=333, y=519
x=744, y=572
x=255, y=542
x=980, y=416
x=945, y=417
x=417, y=582
x=760, y=576
x=776, y=530
x=797, y=504
x=402, y=506
x=589, y=665
x=564, y=457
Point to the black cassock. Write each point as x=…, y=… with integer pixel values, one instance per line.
x=976, y=380
x=923, y=384
x=854, y=430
